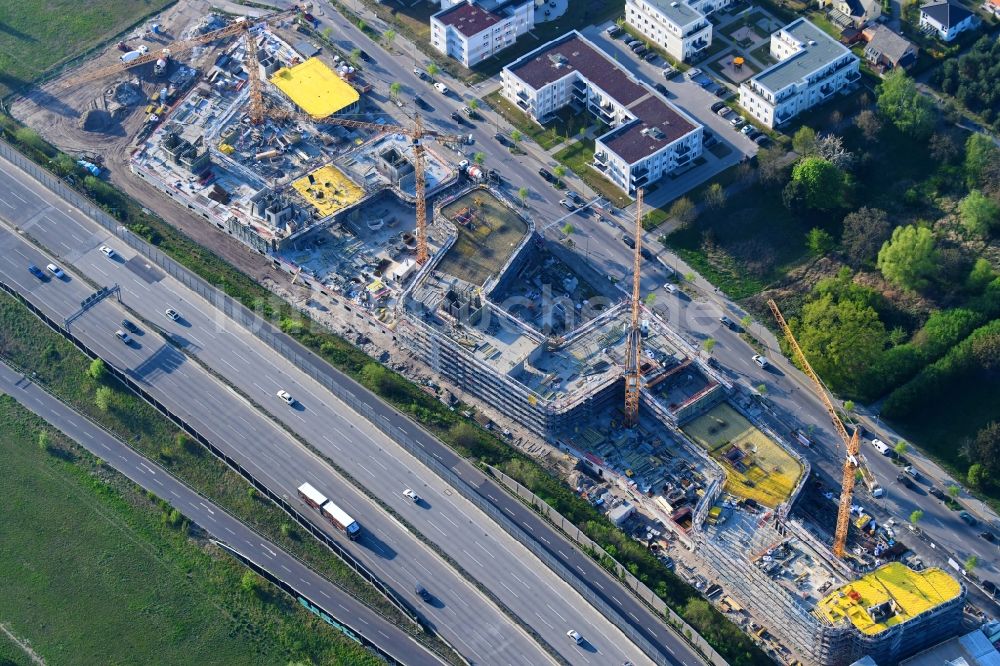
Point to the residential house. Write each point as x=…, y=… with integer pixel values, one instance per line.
x=993, y=7
x=648, y=137
x=682, y=31
x=471, y=31
x=853, y=13
x=946, y=20
x=887, y=49
x=811, y=67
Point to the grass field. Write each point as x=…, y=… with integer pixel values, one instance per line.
x=36, y=35
x=92, y=574
x=577, y=157
x=11, y=653
x=766, y=472
x=486, y=242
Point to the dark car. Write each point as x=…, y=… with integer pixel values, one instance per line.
x=129, y=326
x=905, y=480
x=547, y=175
x=365, y=56
x=763, y=140
x=650, y=57
x=717, y=106
x=422, y=592
x=936, y=492
x=458, y=119
x=989, y=536
x=990, y=587
x=968, y=518
x=728, y=323
x=642, y=51
x=36, y=271
x=504, y=141
x=660, y=88
x=753, y=134
x=647, y=254
x=636, y=45
x=421, y=103
x=628, y=241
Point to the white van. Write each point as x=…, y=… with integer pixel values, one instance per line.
x=441, y=88
x=881, y=447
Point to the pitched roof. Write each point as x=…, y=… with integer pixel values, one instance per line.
x=945, y=13
x=886, y=42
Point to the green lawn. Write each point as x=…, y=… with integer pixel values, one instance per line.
x=546, y=137
x=577, y=157
x=92, y=574
x=36, y=35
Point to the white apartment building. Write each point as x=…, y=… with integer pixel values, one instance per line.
x=811, y=67
x=471, y=31
x=649, y=136
x=678, y=28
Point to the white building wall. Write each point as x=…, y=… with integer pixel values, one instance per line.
x=470, y=51
x=679, y=41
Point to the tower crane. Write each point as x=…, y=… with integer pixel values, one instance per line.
x=634, y=341
x=241, y=27
x=851, y=462
x=418, y=133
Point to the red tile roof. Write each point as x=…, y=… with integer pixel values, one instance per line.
x=657, y=126
x=468, y=19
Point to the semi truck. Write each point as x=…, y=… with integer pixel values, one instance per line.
x=330, y=511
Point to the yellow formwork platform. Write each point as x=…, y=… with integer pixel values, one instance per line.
x=329, y=190
x=913, y=593
x=315, y=88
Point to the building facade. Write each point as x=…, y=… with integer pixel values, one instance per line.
x=946, y=20
x=680, y=29
x=470, y=32
x=648, y=137
x=811, y=67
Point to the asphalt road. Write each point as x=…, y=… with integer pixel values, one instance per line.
x=516, y=577
x=216, y=522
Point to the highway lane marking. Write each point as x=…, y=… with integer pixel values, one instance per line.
x=325, y=594
x=240, y=356
x=383, y=633
x=596, y=582
x=510, y=590
x=337, y=446
x=544, y=620
x=206, y=508
x=5, y=203
x=367, y=470
x=445, y=516
x=379, y=463
x=520, y=580
x=434, y=525
x=484, y=549
x=230, y=531
x=583, y=572
x=286, y=568
x=555, y=611
x=264, y=546
x=667, y=647
x=106, y=447
x=174, y=493
x=617, y=600
x=17, y=196
x=235, y=369
x=144, y=466
x=160, y=483
x=197, y=341
x=95, y=266
x=305, y=582
x=258, y=386
x=634, y=617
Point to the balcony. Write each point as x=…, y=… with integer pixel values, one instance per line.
x=826, y=89
x=600, y=158
x=699, y=45
x=853, y=76
x=522, y=104
x=522, y=95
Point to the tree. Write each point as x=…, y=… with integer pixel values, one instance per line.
x=394, y=89
x=916, y=516
x=762, y=389
x=982, y=274
x=388, y=37
x=979, y=152
x=979, y=214
x=822, y=183
x=986, y=351
x=715, y=196
x=977, y=476
x=362, y=26
x=746, y=321
x=354, y=56
x=869, y=124
x=900, y=103
x=650, y=299
x=770, y=165
x=103, y=398
x=849, y=406
x=473, y=103
x=954, y=492
x=943, y=147
x=794, y=196
x=831, y=148
x=327, y=33
x=819, y=241
x=804, y=141
x=568, y=229
x=865, y=230
x=559, y=171
x=901, y=448
x=522, y=194
x=433, y=70
x=985, y=448
x=909, y=258
x=708, y=345
x=250, y=582
x=516, y=136
x=683, y=210
x=971, y=562
x=479, y=158
x=97, y=370
x=842, y=339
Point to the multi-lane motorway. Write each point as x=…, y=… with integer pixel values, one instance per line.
x=222, y=526
x=486, y=552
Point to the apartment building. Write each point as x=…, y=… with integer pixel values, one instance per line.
x=677, y=27
x=471, y=31
x=648, y=137
x=811, y=67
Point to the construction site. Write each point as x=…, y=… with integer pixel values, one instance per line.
x=264, y=140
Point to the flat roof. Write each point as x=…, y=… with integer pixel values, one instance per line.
x=572, y=53
x=677, y=11
x=468, y=19
x=315, y=88
x=909, y=592
x=328, y=190
x=658, y=125
x=817, y=50
x=973, y=649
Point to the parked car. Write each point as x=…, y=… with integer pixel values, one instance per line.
x=660, y=88
x=737, y=121
x=763, y=140
x=567, y=204
x=746, y=129
x=692, y=74
x=441, y=88
x=628, y=241
x=729, y=323
x=906, y=481
x=716, y=106
x=636, y=45
x=881, y=447
x=420, y=73
x=968, y=518
x=547, y=175
x=421, y=103
x=613, y=31
x=36, y=271
x=504, y=141
x=724, y=111
x=669, y=71
x=651, y=56
x=936, y=492
x=641, y=51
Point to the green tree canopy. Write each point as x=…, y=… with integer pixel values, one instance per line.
x=822, y=183
x=901, y=104
x=979, y=213
x=865, y=230
x=979, y=152
x=985, y=448
x=842, y=339
x=819, y=241
x=804, y=141
x=908, y=259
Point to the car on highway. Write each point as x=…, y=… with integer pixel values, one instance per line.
x=55, y=270
x=172, y=314
x=441, y=88
x=567, y=204
x=36, y=271
x=912, y=471
x=503, y=140
x=123, y=336
x=411, y=495
x=286, y=396
x=422, y=592
x=575, y=636
x=129, y=326
x=628, y=240
x=760, y=360
x=419, y=101
x=108, y=252
x=968, y=518
x=472, y=113
x=881, y=447
x=647, y=254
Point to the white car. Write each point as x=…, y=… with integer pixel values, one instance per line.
x=575, y=636
x=172, y=314
x=55, y=270
x=760, y=360
x=441, y=88
x=123, y=336
x=412, y=495
x=286, y=396
x=108, y=252
x=671, y=289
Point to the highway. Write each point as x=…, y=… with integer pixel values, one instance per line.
x=216, y=522
x=511, y=573
x=598, y=239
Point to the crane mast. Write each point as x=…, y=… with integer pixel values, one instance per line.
x=634, y=341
